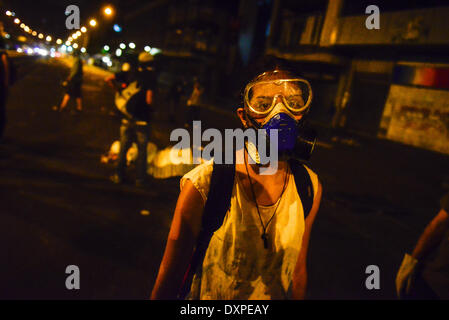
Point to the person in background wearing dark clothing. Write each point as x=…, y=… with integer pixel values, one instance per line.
x=4, y=83
x=174, y=96
x=194, y=102
x=73, y=84
x=135, y=102
x=422, y=278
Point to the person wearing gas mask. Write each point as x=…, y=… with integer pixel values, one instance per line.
x=240, y=234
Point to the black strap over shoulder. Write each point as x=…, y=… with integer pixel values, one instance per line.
x=219, y=201
x=217, y=204
x=303, y=185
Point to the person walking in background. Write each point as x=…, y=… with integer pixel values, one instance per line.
x=194, y=102
x=73, y=84
x=135, y=102
x=174, y=97
x=4, y=82
x=422, y=278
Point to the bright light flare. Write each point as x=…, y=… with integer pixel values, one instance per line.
x=108, y=11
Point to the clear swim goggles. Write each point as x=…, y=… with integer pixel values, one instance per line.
x=261, y=96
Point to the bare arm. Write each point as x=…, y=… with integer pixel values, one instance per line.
x=149, y=97
x=299, y=285
x=111, y=81
x=6, y=68
x=184, y=230
x=432, y=235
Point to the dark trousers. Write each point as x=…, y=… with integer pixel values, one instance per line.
x=193, y=113
x=130, y=132
x=2, y=112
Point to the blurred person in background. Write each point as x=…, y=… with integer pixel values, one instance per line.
x=174, y=97
x=73, y=83
x=135, y=87
x=193, y=108
x=4, y=81
x=420, y=277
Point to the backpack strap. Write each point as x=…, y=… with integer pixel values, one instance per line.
x=217, y=205
x=303, y=185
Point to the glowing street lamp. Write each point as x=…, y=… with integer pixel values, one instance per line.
x=59, y=41
x=40, y=36
x=48, y=38
x=122, y=46
x=132, y=45
x=106, y=48
x=83, y=29
x=75, y=45
x=93, y=22
x=147, y=48
x=108, y=11
x=16, y=21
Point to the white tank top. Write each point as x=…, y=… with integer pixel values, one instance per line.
x=236, y=264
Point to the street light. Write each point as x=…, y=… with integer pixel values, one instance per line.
x=132, y=45
x=93, y=22
x=108, y=11
x=83, y=29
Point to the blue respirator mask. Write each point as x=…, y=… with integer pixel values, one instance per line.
x=282, y=105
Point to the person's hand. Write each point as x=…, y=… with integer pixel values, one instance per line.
x=405, y=275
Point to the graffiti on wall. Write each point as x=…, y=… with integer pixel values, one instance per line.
x=417, y=116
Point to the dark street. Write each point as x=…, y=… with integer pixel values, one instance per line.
x=58, y=207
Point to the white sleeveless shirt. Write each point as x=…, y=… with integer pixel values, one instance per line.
x=236, y=264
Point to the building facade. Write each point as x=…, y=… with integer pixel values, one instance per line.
x=391, y=82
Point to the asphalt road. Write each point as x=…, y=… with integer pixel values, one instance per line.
x=58, y=208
